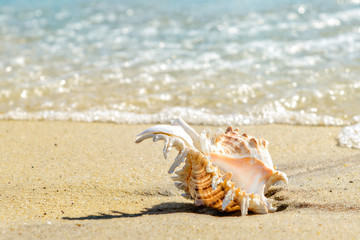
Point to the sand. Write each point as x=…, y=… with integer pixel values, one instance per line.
x=65, y=180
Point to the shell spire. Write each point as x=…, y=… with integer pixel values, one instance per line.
x=228, y=171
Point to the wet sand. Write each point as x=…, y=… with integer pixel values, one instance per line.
x=64, y=180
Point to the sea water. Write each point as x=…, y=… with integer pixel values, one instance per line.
x=211, y=62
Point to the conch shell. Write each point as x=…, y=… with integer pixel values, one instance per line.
x=228, y=171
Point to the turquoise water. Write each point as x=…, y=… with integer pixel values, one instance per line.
x=211, y=62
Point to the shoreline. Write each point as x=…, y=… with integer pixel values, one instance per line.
x=90, y=180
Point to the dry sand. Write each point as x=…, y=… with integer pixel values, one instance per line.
x=62, y=180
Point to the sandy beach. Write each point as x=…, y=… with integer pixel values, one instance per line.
x=65, y=180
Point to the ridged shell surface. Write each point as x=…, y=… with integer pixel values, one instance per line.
x=233, y=144
x=198, y=183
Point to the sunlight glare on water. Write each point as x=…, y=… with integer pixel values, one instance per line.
x=241, y=62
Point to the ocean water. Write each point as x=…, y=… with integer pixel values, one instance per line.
x=228, y=62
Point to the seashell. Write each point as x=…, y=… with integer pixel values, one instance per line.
x=228, y=171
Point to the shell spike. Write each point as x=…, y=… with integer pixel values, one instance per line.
x=178, y=160
x=228, y=198
x=244, y=205
x=141, y=138
x=167, y=147
x=229, y=129
x=209, y=168
x=227, y=176
x=276, y=176
x=215, y=181
x=189, y=130
x=258, y=206
x=170, y=131
x=270, y=208
x=205, y=144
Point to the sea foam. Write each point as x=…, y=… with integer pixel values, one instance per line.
x=192, y=116
x=350, y=136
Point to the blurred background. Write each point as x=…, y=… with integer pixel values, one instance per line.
x=211, y=62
